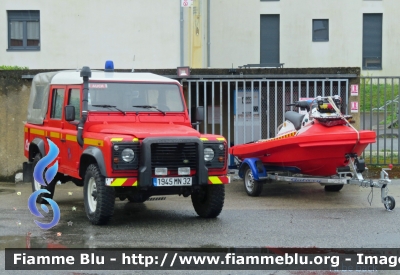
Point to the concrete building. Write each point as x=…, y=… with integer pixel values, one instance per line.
x=205, y=33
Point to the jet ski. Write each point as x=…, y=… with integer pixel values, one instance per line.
x=318, y=143
x=319, y=146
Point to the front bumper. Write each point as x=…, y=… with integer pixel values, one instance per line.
x=133, y=182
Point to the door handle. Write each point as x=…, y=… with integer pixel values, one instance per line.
x=63, y=140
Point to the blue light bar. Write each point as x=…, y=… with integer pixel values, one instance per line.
x=109, y=67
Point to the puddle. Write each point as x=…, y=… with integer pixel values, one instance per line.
x=6, y=191
x=48, y=240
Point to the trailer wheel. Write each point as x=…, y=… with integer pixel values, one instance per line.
x=99, y=198
x=208, y=200
x=389, y=203
x=253, y=187
x=333, y=188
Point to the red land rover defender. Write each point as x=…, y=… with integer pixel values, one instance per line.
x=124, y=135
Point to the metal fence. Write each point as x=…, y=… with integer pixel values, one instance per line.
x=248, y=110
x=379, y=107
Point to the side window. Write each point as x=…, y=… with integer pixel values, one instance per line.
x=74, y=99
x=57, y=103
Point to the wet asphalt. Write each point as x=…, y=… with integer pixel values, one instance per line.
x=284, y=215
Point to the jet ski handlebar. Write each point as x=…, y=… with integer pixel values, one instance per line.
x=304, y=104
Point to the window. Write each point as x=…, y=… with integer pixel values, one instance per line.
x=23, y=30
x=320, y=30
x=74, y=99
x=372, y=41
x=57, y=103
x=38, y=101
x=269, y=39
x=124, y=96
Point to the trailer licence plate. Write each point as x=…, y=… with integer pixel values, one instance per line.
x=181, y=181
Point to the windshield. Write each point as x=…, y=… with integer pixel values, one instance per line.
x=124, y=96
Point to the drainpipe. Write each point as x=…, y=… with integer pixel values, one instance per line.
x=85, y=74
x=181, y=35
x=208, y=34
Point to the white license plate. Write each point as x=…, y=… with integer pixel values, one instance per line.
x=181, y=181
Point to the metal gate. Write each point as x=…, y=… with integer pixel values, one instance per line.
x=252, y=109
x=379, y=106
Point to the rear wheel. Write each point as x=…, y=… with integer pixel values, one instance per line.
x=37, y=186
x=99, y=198
x=208, y=201
x=333, y=188
x=138, y=198
x=253, y=187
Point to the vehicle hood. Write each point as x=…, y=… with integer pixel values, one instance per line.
x=143, y=130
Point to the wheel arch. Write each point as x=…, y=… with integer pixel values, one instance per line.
x=36, y=146
x=256, y=166
x=89, y=156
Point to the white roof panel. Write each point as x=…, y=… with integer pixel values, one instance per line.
x=73, y=77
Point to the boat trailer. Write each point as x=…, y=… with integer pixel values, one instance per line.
x=255, y=174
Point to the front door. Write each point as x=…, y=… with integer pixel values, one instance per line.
x=71, y=149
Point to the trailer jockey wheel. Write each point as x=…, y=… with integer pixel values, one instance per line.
x=389, y=203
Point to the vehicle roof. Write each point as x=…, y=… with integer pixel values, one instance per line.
x=73, y=77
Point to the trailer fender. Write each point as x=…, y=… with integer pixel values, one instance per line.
x=256, y=166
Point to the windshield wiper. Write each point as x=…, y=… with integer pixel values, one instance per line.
x=149, y=107
x=109, y=106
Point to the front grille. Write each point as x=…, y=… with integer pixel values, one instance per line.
x=122, y=165
x=174, y=155
x=218, y=153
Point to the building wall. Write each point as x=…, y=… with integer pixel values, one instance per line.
x=14, y=97
x=78, y=33
x=236, y=33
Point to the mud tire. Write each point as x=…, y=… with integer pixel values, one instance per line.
x=208, y=201
x=99, y=199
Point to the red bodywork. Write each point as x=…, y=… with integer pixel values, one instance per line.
x=102, y=127
x=317, y=151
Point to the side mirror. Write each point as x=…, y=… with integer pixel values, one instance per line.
x=200, y=113
x=69, y=113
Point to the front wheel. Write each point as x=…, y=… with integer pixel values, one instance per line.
x=208, y=200
x=333, y=188
x=253, y=187
x=99, y=198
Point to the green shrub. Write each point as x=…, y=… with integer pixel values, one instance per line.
x=11, y=68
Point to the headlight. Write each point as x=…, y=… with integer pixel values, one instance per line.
x=208, y=154
x=128, y=155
